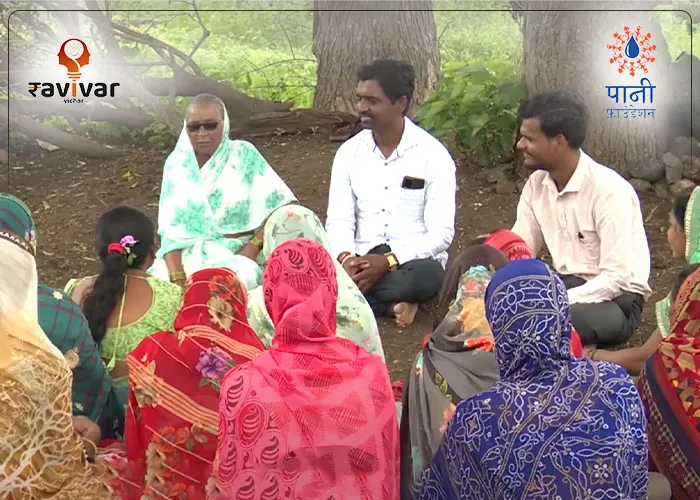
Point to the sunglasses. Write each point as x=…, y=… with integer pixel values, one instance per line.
x=208, y=126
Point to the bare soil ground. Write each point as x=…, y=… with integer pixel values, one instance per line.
x=68, y=193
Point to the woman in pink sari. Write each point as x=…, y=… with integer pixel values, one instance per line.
x=314, y=416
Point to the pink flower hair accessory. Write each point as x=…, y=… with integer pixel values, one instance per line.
x=124, y=248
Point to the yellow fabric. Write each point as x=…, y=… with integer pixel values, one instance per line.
x=41, y=456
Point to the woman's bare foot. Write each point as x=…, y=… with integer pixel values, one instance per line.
x=405, y=313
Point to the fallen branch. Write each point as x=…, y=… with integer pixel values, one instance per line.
x=157, y=45
x=131, y=86
x=240, y=106
x=338, y=126
x=59, y=138
x=134, y=118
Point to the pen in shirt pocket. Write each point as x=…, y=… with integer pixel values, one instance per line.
x=580, y=236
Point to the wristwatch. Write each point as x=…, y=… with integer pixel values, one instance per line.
x=393, y=261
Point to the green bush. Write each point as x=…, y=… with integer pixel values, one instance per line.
x=479, y=106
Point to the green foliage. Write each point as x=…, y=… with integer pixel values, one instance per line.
x=264, y=53
x=676, y=29
x=267, y=54
x=157, y=135
x=478, y=105
x=480, y=55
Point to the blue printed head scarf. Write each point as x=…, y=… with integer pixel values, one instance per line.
x=528, y=310
x=554, y=426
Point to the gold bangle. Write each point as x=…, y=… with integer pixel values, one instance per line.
x=177, y=276
x=256, y=242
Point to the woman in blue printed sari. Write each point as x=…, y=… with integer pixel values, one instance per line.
x=553, y=426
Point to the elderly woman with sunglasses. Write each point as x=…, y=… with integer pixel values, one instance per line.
x=215, y=196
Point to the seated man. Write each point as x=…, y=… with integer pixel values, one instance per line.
x=392, y=198
x=588, y=216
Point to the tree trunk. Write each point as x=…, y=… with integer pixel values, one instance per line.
x=343, y=41
x=567, y=50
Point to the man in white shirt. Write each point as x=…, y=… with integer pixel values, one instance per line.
x=391, y=205
x=588, y=216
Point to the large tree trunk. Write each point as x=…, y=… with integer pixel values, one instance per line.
x=343, y=41
x=567, y=50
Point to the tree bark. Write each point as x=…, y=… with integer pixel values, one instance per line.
x=343, y=41
x=567, y=50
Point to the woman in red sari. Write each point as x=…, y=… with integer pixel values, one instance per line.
x=314, y=416
x=670, y=389
x=174, y=378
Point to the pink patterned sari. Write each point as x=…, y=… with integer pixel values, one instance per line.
x=314, y=416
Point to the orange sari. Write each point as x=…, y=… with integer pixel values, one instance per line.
x=172, y=420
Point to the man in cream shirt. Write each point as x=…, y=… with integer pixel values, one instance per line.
x=588, y=216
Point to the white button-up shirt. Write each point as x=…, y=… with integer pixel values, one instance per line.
x=593, y=228
x=368, y=207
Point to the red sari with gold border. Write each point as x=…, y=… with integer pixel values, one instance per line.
x=670, y=388
x=172, y=420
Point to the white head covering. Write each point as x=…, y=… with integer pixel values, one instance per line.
x=18, y=299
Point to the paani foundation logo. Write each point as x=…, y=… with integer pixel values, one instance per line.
x=73, y=55
x=632, y=52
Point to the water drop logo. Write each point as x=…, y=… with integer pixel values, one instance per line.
x=632, y=51
x=632, y=48
x=73, y=55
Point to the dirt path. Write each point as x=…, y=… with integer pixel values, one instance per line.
x=67, y=195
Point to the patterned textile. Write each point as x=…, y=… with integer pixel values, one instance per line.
x=554, y=426
x=119, y=341
x=691, y=225
x=510, y=244
x=172, y=421
x=94, y=394
x=354, y=316
x=16, y=217
x=234, y=192
x=66, y=327
x=670, y=388
x=41, y=456
x=314, y=416
x=457, y=362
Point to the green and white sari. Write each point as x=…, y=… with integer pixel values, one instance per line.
x=691, y=225
x=234, y=192
x=355, y=320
